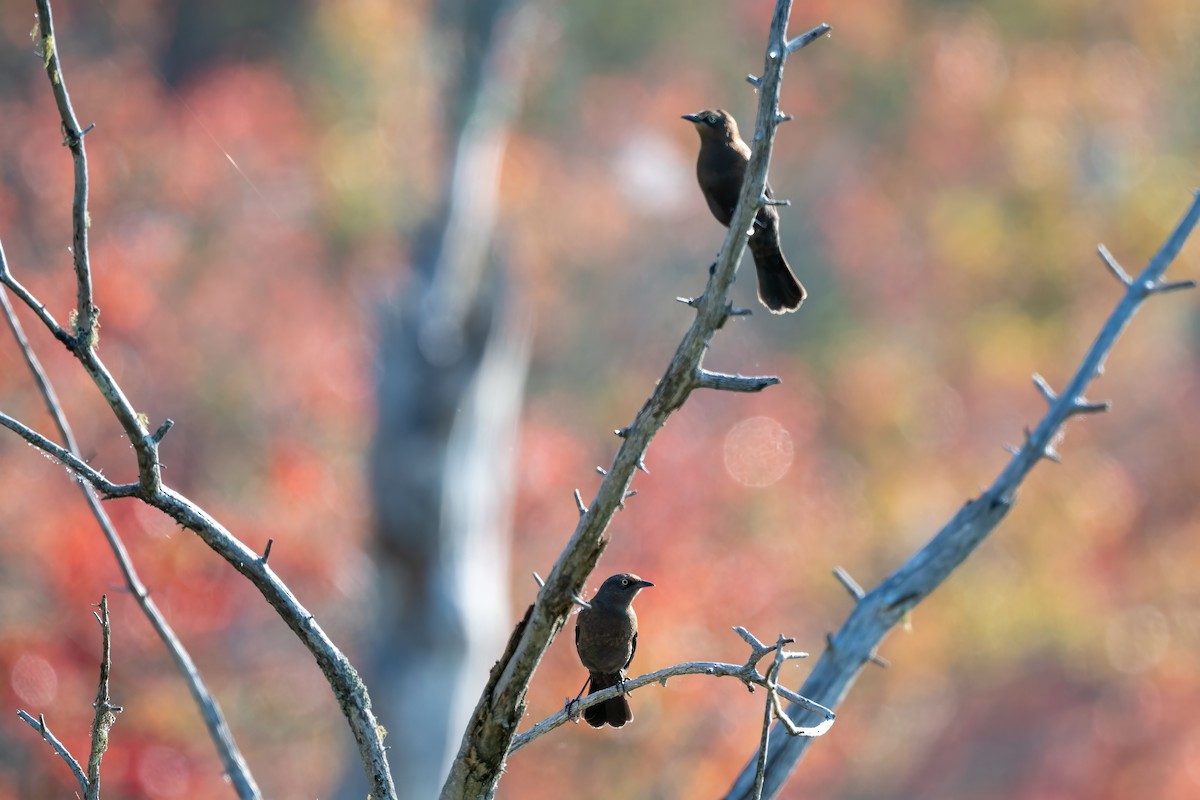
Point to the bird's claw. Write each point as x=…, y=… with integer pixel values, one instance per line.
x=574, y=713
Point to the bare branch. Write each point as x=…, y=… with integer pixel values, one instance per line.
x=733, y=383
x=487, y=741
x=231, y=757
x=883, y=607
x=807, y=38
x=746, y=673
x=86, y=312
x=9, y=280
x=106, y=712
x=43, y=730
x=343, y=678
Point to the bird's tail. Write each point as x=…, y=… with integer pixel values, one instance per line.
x=778, y=288
x=615, y=712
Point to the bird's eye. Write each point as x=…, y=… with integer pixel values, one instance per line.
x=624, y=581
x=711, y=119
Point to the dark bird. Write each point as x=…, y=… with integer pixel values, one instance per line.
x=720, y=168
x=606, y=639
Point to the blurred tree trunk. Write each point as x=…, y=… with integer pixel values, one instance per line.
x=452, y=363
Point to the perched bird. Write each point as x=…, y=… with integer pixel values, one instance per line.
x=606, y=639
x=720, y=168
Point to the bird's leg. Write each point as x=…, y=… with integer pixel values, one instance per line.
x=569, y=706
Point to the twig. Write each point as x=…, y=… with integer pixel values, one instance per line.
x=86, y=312
x=747, y=673
x=760, y=770
x=886, y=605
x=849, y=583
x=341, y=675
x=218, y=730
x=1113, y=266
x=43, y=730
x=106, y=712
x=733, y=383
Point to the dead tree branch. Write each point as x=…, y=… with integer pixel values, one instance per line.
x=747, y=673
x=81, y=342
x=876, y=612
x=218, y=730
x=488, y=738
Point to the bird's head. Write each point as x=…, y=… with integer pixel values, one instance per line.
x=619, y=590
x=717, y=124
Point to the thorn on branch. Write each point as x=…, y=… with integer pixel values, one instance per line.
x=1114, y=267
x=750, y=639
x=807, y=38
x=641, y=464
x=733, y=383
x=1044, y=387
x=763, y=200
x=849, y=583
x=879, y=661
x=538, y=578
x=44, y=731
x=579, y=503
x=622, y=432
x=1162, y=287
x=601, y=470
x=87, y=130
x=158, y=435
x=1083, y=406
x=267, y=551
x=753, y=80
x=782, y=117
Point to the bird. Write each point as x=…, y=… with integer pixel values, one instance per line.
x=720, y=169
x=606, y=639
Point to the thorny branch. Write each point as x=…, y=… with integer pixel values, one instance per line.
x=43, y=730
x=231, y=757
x=102, y=721
x=489, y=735
x=106, y=712
x=81, y=342
x=747, y=673
x=877, y=611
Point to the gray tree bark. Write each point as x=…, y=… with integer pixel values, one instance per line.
x=453, y=357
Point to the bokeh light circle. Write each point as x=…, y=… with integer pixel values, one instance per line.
x=758, y=451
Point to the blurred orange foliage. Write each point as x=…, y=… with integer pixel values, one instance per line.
x=951, y=168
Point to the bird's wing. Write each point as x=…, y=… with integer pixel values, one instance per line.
x=632, y=650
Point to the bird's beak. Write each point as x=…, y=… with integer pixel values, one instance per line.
x=644, y=584
x=690, y=118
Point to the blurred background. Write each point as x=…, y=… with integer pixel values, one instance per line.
x=276, y=187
